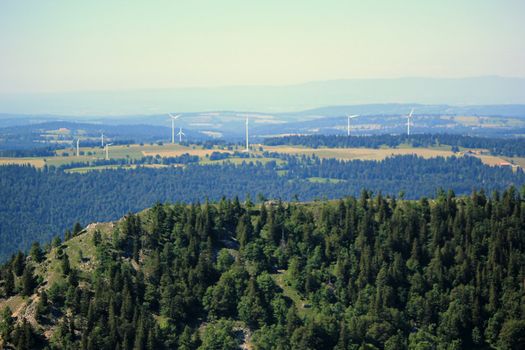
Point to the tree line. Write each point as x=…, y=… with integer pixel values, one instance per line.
x=41, y=203
x=497, y=146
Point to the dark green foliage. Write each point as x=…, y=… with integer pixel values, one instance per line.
x=512, y=335
x=25, y=337
x=76, y=229
x=9, y=281
x=6, y=324
x=36, y=253
x=56, y=242
x=224, y=260
x=66, y=267
x=219, y=336
x=371, y=272
x=19, y=263
x=65, y=198
x=43, y=304
x=28, y=281
x=251, y=309
x=97, y=238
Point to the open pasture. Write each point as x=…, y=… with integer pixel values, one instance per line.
x=382, y=153
x=34, y=161
x=137, y=151
x=359, y=153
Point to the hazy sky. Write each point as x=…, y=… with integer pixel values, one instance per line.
x=65, y=45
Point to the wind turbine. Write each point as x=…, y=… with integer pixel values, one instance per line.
x=102, y=139
x=78, y=150
x=180, y=134
x=173, y=118
x=107, y=150
x=350, y=117
x=247, y=116
x=409, y=121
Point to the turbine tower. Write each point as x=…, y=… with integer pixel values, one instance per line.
x=173, y=118
x=409, y=121
x=348, y=126
x=102, y=139
x=78, y=150
x=107, y=150
x=180, y=134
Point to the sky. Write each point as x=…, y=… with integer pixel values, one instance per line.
x=71, y=46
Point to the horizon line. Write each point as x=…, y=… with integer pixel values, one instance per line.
x=233, y=86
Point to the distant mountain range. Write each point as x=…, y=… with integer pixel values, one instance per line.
x=389, y=109
x=484, y=91
x=481, y=120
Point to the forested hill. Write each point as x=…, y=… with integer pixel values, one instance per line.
x=38, y=204
x=496, y=146
x=358, y=273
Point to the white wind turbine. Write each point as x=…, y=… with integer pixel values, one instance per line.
x=409, y=121
x=348, y=125
x=107, y=150
x=102, y=139
x=173, y=118
x=247, y=116
x=180, y=134
x=78, y=149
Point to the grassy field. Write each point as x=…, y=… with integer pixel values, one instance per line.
x=519, y=161
x=106, y=167
x=324, y=180
x=302, y=305
x=382, y=153
x=80, y=251
x=488, y=122
x=15, y=303
x=360, y=153
x=492, y=160
x=136, y=151
x=36, y=162
x=202, y=153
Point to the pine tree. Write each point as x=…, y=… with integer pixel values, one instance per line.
x=77, y=228
x=342, y=341
x=185, y=341
x=28, y=281
x=9, y=282
x=97, y=238
x=36, y=252
x=66, y=267
x=6, y=324
x=42, y=307
x=250, y=307
x=244, y=230
x=19, y=263
x=25, y=336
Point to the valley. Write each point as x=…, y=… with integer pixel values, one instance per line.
x=262, y=175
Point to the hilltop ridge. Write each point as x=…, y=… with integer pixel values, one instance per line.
x=371, y=270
